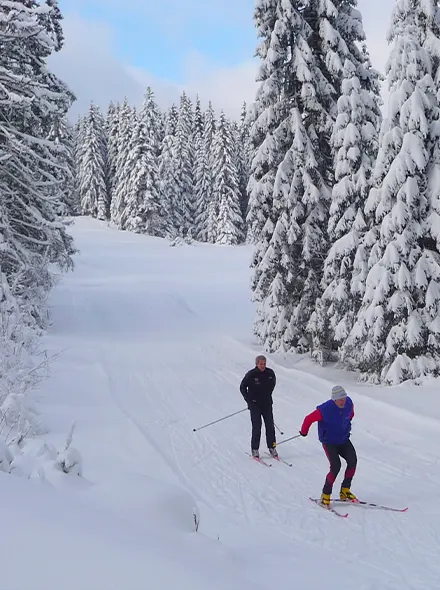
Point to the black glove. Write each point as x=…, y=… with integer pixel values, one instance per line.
x=302, y=434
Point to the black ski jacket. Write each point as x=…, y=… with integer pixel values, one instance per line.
x=257, y=386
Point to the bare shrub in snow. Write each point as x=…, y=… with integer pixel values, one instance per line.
x=69, y=460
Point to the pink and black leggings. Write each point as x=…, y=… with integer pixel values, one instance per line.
x=334, y=452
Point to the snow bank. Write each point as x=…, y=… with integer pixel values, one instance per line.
x=54, y=542
x=142, y=500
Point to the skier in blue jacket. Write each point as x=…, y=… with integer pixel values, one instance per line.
x=334, y=426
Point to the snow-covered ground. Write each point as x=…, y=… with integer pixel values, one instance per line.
x=154, y=341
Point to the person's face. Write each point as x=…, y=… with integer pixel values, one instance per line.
x=340, y=402
x=261, y=364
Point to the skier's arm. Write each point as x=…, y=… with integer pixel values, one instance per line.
x=244, y=387
x=352, y=413
x=315, y=416
x=274, y=381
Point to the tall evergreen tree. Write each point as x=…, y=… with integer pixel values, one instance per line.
x=142, y=212
x=93, y=181
x=292, y=157
x=184, y=206
x=198, y=125
x=266, y=118
x=244, y=157
x=268, y=115
x=112, y=134
x=304, y=51
x=354, y=143
x=167, y=173
x=228, y=228
x=204, y=176
x=33, y=100
x=396, y=335
x=64, y=192
x=127, y=119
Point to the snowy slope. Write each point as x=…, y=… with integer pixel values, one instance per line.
x=154, y=341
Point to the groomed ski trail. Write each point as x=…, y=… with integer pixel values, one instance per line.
x=158, y=338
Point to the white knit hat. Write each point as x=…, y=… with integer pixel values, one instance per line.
x=338, y=392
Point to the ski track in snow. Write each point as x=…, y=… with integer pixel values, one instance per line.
x=155, y=337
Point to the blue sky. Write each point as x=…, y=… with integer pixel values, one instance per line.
x=114, y=48
x=156, y=35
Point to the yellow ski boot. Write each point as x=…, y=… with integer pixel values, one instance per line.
x=346, y=495
x=325, y=500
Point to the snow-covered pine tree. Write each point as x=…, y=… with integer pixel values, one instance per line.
x=266, y=118
x=78, y=153
x=51, y=19
x=153, y=116
x=397, y=332
x=354, y=143
x=112, y=135
x=288, y=177
x=93, y=181
x=268, y=113
x=33, y=100
x=142, y=212
x=167, y=174
x=244, y=157
x=338, y=35
x=65, y=193
x=197, y=134
x=127, y=119
x=337, y=39
x=184, y=206
x=161, y=122
x=204, y=175
x=226, y=213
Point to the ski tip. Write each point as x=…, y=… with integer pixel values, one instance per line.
x=328, y=508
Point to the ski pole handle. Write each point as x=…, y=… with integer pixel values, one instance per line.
x=279, y=430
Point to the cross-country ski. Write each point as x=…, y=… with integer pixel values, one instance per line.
x=371, y=505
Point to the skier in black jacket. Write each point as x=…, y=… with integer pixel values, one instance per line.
x=257, y=388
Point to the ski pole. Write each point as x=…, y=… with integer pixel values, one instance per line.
x=220, y=419
x=280, y=431
x=287, y=439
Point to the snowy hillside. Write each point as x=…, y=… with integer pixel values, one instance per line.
x=154, y=341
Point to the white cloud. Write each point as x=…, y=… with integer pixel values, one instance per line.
x=87, y=63
x=226, y=87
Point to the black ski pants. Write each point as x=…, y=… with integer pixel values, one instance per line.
x=334, y=452
x=257, y=414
